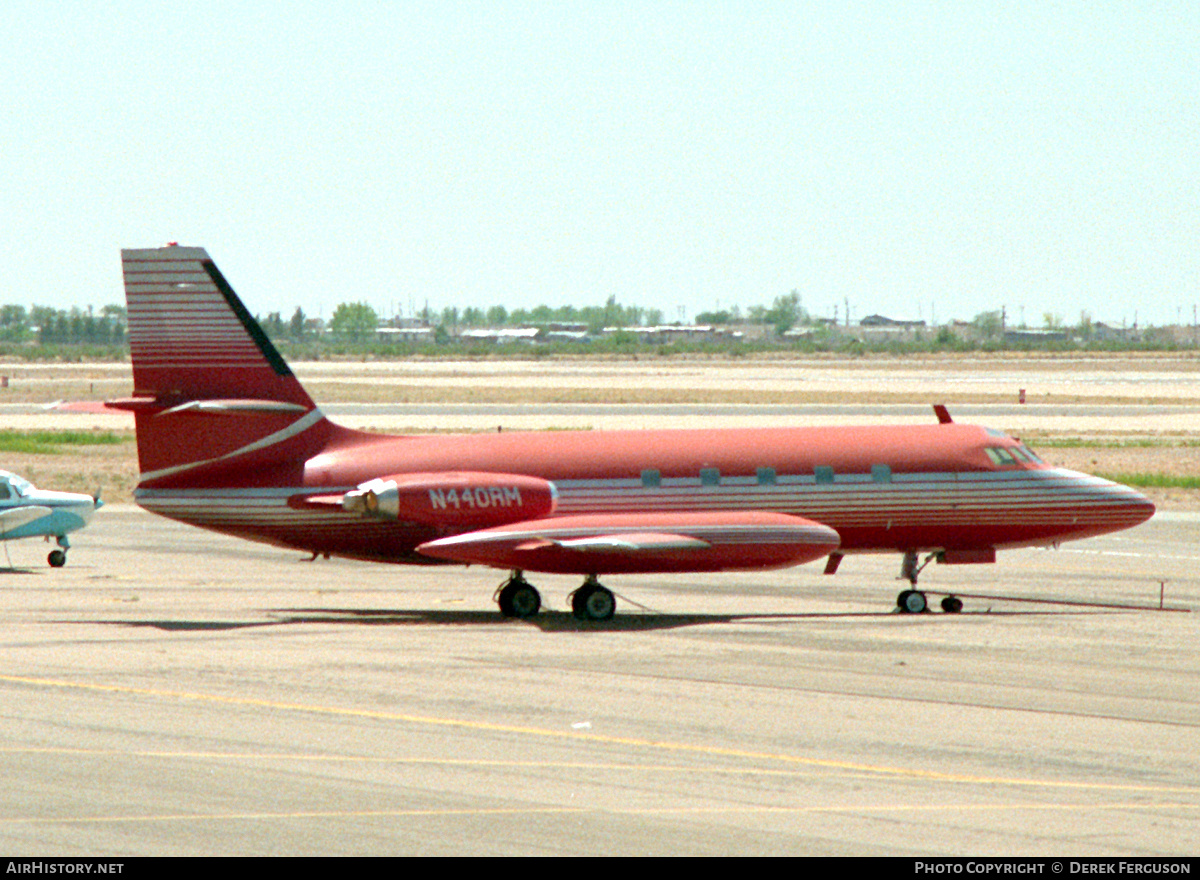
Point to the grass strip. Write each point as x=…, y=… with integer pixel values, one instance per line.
x=1143, y=480
x=51, y=442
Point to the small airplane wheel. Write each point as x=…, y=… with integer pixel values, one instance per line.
x=952, y=605
x=912, y=602
x=57, y=558
x=593, y=602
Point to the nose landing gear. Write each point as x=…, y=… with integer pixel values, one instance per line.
x=58, y=558
x=914, y=601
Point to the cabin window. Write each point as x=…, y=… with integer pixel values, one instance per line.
x=824, y=473
x=710, y=477
x=651, y=479
x=881, y=473
x=766, y=476
x=5, y=492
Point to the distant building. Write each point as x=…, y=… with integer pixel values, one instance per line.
x=883, y=321
x=1031, y=336
x=879, y=328
x=674, y=332
x=502, y=335
x=403, y=334
x=1107, y=333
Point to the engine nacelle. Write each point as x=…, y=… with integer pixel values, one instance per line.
x=459, y=498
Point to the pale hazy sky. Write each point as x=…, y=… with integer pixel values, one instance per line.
x=918, y=159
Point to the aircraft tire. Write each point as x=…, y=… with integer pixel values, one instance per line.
x=520, y=599
x=912, y=602
x=57, y=558
x=593, y=602
x=952, y=605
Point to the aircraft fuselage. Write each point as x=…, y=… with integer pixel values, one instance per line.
x=894, y=488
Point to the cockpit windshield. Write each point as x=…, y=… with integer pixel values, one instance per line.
x=1024, y=453
x=1001, y=455
x=1013, y=456
x=20, y=486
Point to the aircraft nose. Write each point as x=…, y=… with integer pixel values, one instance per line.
x=1110, y=506
x=85, y=505
x=1132, y=504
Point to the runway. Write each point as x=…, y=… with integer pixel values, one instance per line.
x=175, y=692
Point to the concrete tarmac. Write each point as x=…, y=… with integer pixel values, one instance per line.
x=175, y=692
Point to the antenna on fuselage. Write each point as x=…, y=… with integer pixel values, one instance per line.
x=943, y=414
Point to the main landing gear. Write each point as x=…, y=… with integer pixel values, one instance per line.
x=913, y=601
x=593, y=601
x=519, y=598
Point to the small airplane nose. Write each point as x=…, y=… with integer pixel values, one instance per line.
x=85, y=506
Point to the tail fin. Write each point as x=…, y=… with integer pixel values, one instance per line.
x=208, y=385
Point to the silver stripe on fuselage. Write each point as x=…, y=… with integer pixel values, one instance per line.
x=297, y=427
x=926, y=499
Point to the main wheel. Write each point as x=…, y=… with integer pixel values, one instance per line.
x=519, y=599
x=593, y=602
x=912, y=602
x=952, y=605
x=57, y=558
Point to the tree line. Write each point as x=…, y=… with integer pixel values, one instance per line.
x=359, y=321
x=50, y=326
x=44, y=331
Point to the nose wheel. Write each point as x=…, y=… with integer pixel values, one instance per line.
x=952, y=605
x=58, y=556
x=912, y=602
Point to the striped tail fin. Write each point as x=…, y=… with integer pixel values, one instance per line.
x=209, y=388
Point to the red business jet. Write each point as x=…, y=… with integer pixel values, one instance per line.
x=229, y=440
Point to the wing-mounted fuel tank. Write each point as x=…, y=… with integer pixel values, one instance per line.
x=457, y=499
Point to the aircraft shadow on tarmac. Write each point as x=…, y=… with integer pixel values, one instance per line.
x=547, y=621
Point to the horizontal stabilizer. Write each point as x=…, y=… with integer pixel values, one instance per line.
x=203, y=407
x=236, y=407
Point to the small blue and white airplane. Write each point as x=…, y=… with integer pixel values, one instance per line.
x=29, y=512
